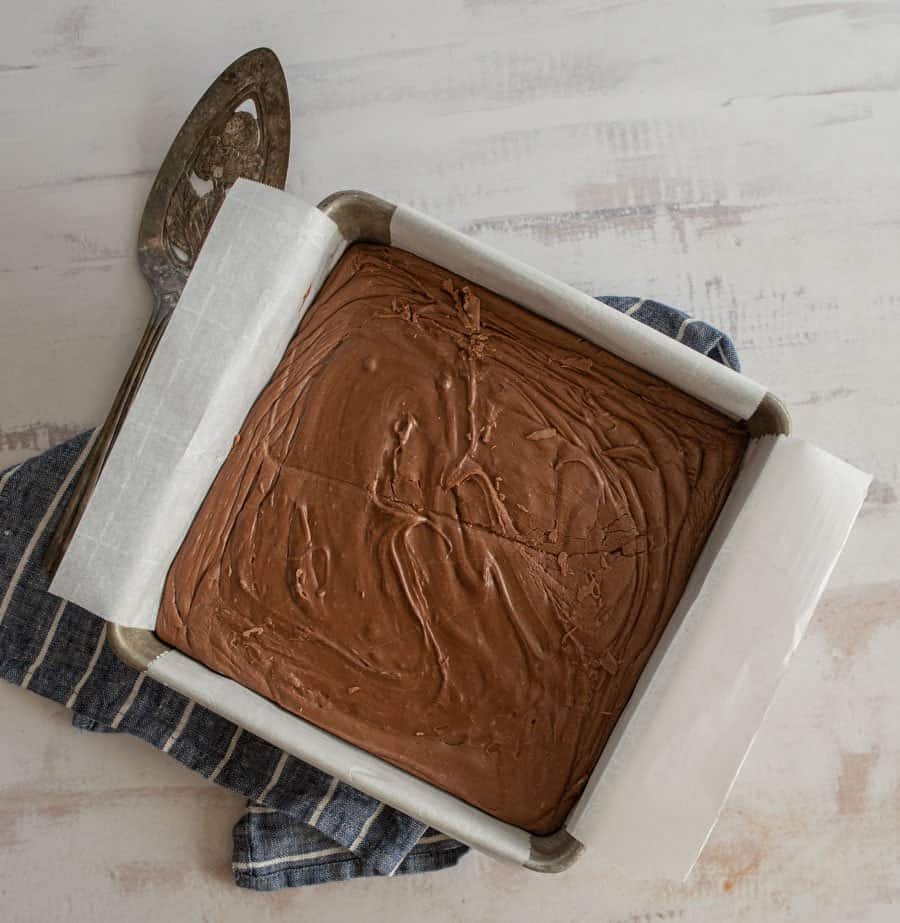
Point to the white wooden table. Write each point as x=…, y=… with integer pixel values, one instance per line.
x=738, y=158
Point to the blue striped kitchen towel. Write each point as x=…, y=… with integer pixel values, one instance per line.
x=302, y=826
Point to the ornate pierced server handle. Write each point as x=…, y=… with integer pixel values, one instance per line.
x=239, y=128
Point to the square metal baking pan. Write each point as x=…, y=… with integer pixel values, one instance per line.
x=361, y=217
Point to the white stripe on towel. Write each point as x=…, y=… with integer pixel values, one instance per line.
x=436, y=838
x=228, y=754
x=179, y=728
x=365, y=828
x=41, y=526
x=4, y=479
x=300, y=857
x=684, y=325
x=123, y=711
x=46, y=645
x=326, y=799
x=279, y=769
x=70, y=703
x=727, y=364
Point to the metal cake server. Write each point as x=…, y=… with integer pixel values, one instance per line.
x=239, y=128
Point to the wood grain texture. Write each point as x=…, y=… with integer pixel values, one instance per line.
x=735, y=158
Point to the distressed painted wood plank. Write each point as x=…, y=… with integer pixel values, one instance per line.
x=736, y=158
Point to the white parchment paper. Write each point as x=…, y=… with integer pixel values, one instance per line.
x=265, y=258
x=660, y=784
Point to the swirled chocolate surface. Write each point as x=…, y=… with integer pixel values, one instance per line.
x=452, y=533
